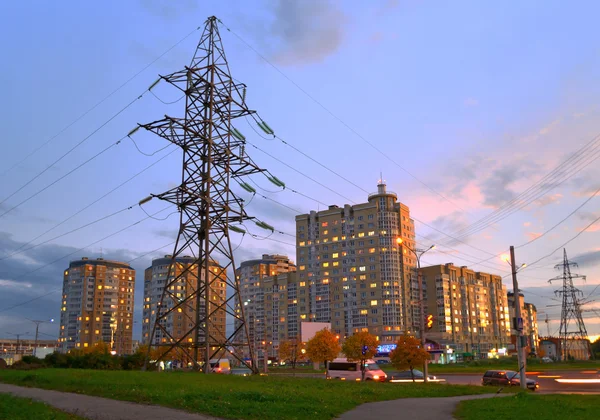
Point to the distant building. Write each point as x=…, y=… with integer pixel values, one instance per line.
x=180, y=324
x=97, y=305
x=250, y=275
x=352, y=270
x=551, y=347
x=470, y=313
x=26, y=347
x=530, y=324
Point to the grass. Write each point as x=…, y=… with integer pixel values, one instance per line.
x=258, y=397
x=15, y=408
x=530, y=406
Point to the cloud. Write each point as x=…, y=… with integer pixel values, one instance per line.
x=471, y=102
x=496, y=188
x=587, y=259
x=14, y=284
x=308, y=30
x=168, y=9
x=533, y=235
x=549, y=199
x=526, y=224
x=166, y=233
x=550, y=127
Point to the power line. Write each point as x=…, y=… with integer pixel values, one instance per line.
x=99, y=103
x=89, y=245
x=97, y=200
x=60, y=178
x=75, y=147
x=536, y=190
x=327, y=110
x=59, y=289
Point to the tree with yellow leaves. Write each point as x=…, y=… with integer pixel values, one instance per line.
x=408, y=354
x=323, y=347
x=360, y=347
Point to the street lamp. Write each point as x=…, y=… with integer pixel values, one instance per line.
x=418, y=254
x=37, y=327
x=521, y=358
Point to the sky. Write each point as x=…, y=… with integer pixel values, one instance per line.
x=461, y=105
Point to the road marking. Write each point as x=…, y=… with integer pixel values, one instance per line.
x=549, y=376
x=578, y=381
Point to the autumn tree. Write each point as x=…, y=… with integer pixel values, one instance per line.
x=291, y=350
x=408, y=354
x=360, y=347
x=323, y=347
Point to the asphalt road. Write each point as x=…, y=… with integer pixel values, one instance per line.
x=573, y=381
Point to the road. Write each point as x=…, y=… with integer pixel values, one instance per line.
x=573, y=381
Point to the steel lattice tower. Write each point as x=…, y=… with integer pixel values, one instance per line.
x=212, y=158
x=571, y=321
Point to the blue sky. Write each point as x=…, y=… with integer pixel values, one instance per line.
x=476, y=100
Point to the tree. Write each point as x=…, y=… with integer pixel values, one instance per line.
x=324, y=346
x=291, y=350
x=596, y=347
x=408, y=354
x=360, y=347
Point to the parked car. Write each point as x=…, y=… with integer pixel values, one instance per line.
x=241, y=371
x=406, y=376
x=220, y=366
x=506, y=378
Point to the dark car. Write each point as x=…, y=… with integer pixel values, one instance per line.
x=406, y=376
x=506, y=378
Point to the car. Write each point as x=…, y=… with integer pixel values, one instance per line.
x=407, y=376
x=241, y=371
x=506, y=378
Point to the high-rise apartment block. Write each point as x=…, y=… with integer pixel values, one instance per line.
x=470, y=311
x=354, y=273
x=97, y=305
x=250, y=275
x=180, y=324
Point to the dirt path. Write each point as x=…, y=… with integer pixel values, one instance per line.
x=97, y=408
x=411, y=408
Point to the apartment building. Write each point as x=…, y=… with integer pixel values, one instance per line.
x=180, y=323
x=470, y=311
x=352, y=270
x=530, y=324
x=97, y=305
x=250, y=275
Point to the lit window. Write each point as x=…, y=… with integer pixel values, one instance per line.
x=361, y=234
x=335, y=239
x=302, y=283
x=324, y=224
x=302, y=267
x=371, y=233
x=373, y=285
x=302, y=243
x=325, y=264
x=373, y=303
x=335, y=255
x=363, y=311
x=362, y=268
x=303, y=316
x=325, y=281
x=336, y=263
x=371, y=250
x=325, y=232
x=85, y=344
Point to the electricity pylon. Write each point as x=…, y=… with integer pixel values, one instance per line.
x=213, y=156
x=572, y=326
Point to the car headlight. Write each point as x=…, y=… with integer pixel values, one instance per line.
x=375, y=377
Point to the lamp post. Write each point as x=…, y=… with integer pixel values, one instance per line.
x=521, y=358
x=37, y=327
x=418, y=254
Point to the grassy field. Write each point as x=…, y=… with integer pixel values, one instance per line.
x=530, y=406
x=14, y=408
x=260, y=397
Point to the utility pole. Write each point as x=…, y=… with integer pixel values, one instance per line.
x=418, y=254
x=213, y=157
x=519, y=327
x=37, y=328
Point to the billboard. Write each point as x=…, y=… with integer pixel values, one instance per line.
x=309, y=329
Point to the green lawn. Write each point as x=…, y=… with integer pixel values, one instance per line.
x=258, y=397
x=14, y=408
x=530, y=406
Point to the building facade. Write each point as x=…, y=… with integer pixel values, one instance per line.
x=355, y=274
x=530, y=324
x=470, y=311
x=179, y=324
x=97, y=305
x=250, y=275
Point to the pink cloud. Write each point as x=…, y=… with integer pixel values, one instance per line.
x=526, y=224
x=533, y=235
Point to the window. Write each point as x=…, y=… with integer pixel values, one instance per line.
x=371, y=250
x=373, y=303
x=324, y=224
x=335, y=255
x=363, y=311
x=373, y=285
x=325, y=232
x=361, y=217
